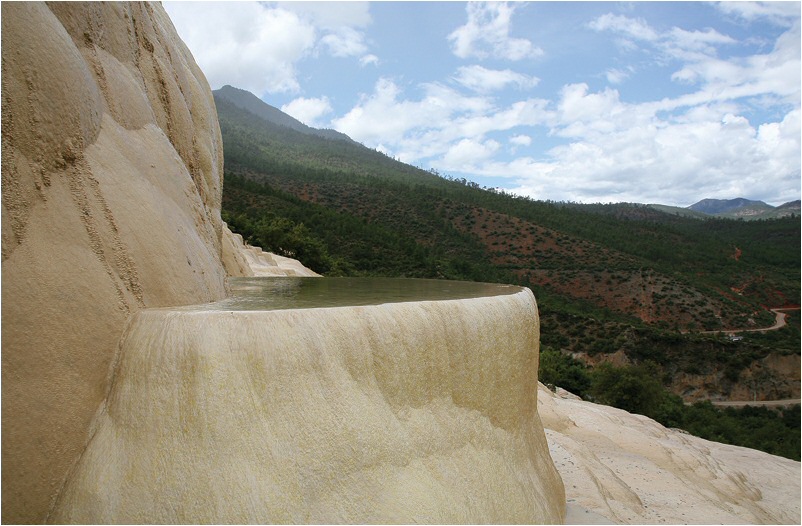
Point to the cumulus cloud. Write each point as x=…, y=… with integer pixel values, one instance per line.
x=255, y=45
x=308, y=111
x=432, y=125
x=467, y=153
x=775, y=74
x=486, y=34
x=266, y=42
x=384, y=116
x=478, y=78
x=674, y=150
x=677, y=159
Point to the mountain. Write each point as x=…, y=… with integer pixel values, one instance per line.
x=741, y=208
x=250, y=102
x=718, y=206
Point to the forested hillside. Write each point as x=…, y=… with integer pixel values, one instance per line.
x=623, y=283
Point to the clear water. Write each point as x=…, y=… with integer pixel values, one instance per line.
x=306, y=293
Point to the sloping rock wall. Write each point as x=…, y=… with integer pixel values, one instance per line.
x=632, y=470
x=111, y=183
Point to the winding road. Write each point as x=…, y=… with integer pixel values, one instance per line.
x=779, y=323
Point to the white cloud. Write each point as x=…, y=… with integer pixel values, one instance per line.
x=582, y=113
x=521, y=140
x=345, y=42
x=369, y=59
x=413, y=130
x=255, y=45
x=617, y=76
x=331, y=15
x=265, y=41
x=382, y=117
x=308, y=111
x=783, y=14
x=675, y=43
x=775, y=75
x=465, y=154
x=487, y=34
x=633, y=28
x=698, y=40
x=672, y=150
x=480, y=79
x=675, y=160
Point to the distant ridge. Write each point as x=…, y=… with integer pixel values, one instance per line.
x=744, y=208
x=250, y=102
x=720, y=206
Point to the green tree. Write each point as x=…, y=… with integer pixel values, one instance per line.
x=633, y=388
x=558, y=369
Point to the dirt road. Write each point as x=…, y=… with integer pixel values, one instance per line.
x=779, y=323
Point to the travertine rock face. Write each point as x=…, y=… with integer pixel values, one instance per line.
x=111, y=168
x=244, y=260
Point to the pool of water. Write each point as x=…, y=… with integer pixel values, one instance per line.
x=307, y=293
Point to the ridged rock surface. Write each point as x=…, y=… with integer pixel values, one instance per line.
x=111, y=167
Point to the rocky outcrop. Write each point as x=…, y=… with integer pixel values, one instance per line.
x=111, y=167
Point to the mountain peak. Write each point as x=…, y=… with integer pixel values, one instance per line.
x=248, y=101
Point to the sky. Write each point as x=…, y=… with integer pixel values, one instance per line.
x=593, y=102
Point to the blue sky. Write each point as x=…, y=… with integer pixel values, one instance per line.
x=651, y=102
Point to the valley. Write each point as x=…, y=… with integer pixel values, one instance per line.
x=621, y=284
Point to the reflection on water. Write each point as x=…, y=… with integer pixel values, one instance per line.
x=306, y=293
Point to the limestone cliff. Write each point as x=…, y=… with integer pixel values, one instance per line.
x=111, y=183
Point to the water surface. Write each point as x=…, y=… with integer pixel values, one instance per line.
x=279, y=293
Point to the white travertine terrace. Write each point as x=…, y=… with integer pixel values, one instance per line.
x=401, y=412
